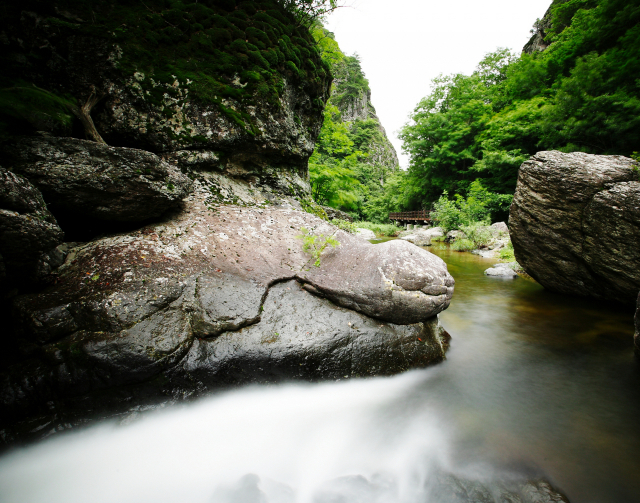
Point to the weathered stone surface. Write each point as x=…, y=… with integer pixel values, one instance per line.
x=217, y=296
x=301, y=336
x=500, y=227
x=419, y=237
x=453, y=489
x=146, y=106
x=95, y=180
x=27, y=229
x=332, y=213
x=435, y=232
x=394, y=281
x=575, y=224
x=453, y=235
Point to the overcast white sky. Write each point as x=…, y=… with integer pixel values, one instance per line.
x=404, y=44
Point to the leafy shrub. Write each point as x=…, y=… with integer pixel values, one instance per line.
x=381, y=230
x=446, y=213
x=478, y=233
x=507, y=254
x=345, y=225
x=463, y=245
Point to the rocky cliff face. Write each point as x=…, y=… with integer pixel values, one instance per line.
x=539, y=32
x=214, y=296
x=221, y=78
x=575, y=224
x=354, y=103
x=197, y=122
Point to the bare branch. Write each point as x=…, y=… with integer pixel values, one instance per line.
x=83, y=113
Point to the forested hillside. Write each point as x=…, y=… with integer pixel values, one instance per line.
x=354, y=159
x=575, y=89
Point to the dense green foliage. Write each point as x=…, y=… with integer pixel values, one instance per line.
x=353, y=160
x=478, y=207
x=381, y=230
x=580, y=94
x=224, y=49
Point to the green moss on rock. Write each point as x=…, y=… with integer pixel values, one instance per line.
x=206, y=50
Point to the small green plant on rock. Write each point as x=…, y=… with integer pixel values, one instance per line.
x=314, y=245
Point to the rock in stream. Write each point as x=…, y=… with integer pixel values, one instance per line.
x=575, y=224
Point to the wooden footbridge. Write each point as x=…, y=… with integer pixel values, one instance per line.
x=411, y=217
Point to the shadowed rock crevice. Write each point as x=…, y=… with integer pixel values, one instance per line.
x=28, y=231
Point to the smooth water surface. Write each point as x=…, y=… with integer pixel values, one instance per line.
x=544, y=379
x=534, y=384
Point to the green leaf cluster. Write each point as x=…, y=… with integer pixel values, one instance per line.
x=315, y=244
x=478, y=207
x=381, y=230
x=582, y=93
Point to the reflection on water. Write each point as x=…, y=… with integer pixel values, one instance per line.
x=535, y=383
x=543, y=379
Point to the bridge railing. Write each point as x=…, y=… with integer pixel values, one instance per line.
x=411, y=215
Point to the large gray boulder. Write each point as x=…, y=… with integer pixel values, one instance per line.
x=96, y=180
x=215, y=296
x=575, y=224
x=27, y=229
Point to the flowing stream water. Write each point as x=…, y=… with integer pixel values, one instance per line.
x=535, y=384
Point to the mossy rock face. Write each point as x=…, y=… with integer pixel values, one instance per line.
x=220, y=75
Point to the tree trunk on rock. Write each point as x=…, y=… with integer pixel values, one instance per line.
x=83, y=113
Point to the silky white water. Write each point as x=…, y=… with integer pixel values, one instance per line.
x=293, y=438
x=535, y=385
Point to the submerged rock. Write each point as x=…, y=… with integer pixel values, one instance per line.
x=27, y=230
x=501, y=271
x=575, y=224
x=96, y=180
x=449, y=488
x=438, y=487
